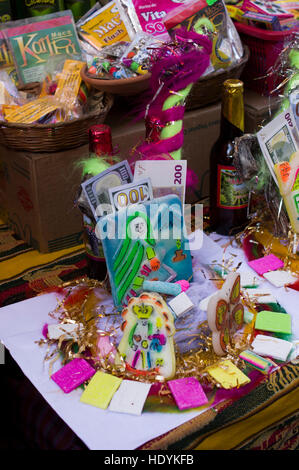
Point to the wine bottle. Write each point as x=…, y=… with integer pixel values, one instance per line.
x=228, y=194
x=100, y=145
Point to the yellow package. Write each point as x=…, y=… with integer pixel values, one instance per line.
x=5, y=97
x=236, y=14
x=104, y=27
x=32, y=111
x=69, y=83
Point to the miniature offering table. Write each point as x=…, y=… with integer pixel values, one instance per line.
x=20, y=330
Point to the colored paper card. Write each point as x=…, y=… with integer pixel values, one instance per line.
x=100, y=390
x=274, y=322
x=73, y=374
x=145, y=242
x=266, y=264
x=188, y=393
x=280, y=278
x=228, y=375
x=270, y=346
x=130, y=397
x=256, y=361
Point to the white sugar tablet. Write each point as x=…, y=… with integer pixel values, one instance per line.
x=130, y=397
x=273, y=347
x=181, y=304
x=280, y=278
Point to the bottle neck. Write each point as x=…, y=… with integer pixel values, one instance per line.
x=232, y=114
x=100, y=149
x=228, y=131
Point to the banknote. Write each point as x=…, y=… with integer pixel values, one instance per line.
x=167, y=176
x=279, y=139
x=125, y=195
x=96, y=189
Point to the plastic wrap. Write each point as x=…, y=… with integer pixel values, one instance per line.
x=210, y=18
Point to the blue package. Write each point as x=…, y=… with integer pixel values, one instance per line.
x=145, y=242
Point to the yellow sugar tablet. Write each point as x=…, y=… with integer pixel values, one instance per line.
x=100, y=390
x=228, y=375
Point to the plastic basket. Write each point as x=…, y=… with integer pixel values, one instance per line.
x=265, y=47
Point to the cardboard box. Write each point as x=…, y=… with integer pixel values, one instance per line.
x=37, y=190
x=257, y=110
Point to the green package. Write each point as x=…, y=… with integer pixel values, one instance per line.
x=41, y=7
x=79, y=7
x=34, y=41
x=5, y=11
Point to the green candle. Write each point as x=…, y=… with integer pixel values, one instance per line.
x=173, y=128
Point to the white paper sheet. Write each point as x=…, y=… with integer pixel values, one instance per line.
x=21, y=327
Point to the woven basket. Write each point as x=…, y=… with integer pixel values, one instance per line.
x=209, y=88
x=53, y=137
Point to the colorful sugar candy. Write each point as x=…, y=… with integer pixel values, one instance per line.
x=228, y=375
x=73, y=374
x=148, y=330
x=100, y=390
x=187, y=392
x=270, y=346
x=256, y=361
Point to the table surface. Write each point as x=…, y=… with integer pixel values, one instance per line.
x=20, y=328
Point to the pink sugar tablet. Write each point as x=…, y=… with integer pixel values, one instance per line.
x=187, y=392
x=73, y=374
x=266, y=264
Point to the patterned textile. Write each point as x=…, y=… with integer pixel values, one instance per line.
x=25, y=272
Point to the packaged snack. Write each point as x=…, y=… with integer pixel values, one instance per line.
x=148, y=15
x=212, y=19
x=33, y=40
x=137, y=55
x=5, y=11
x=9, y=94
x=268, y=8
x=269, y=22
x=103, y=27
x=33, y=111
x=6, y=59
x=10, y=98
x=38, y=8
x=79, y=7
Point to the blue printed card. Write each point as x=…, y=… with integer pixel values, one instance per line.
x=145, y=242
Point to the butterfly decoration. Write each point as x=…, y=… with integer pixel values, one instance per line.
x=225, y=313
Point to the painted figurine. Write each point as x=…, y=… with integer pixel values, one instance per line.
x=148, y=329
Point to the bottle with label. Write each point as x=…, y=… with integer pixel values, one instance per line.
x=228, y=194
x=100, y=145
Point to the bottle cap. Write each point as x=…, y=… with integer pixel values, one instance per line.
x=233, y=84
x=100, y=141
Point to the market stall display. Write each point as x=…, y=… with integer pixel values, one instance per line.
x=176, y=318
